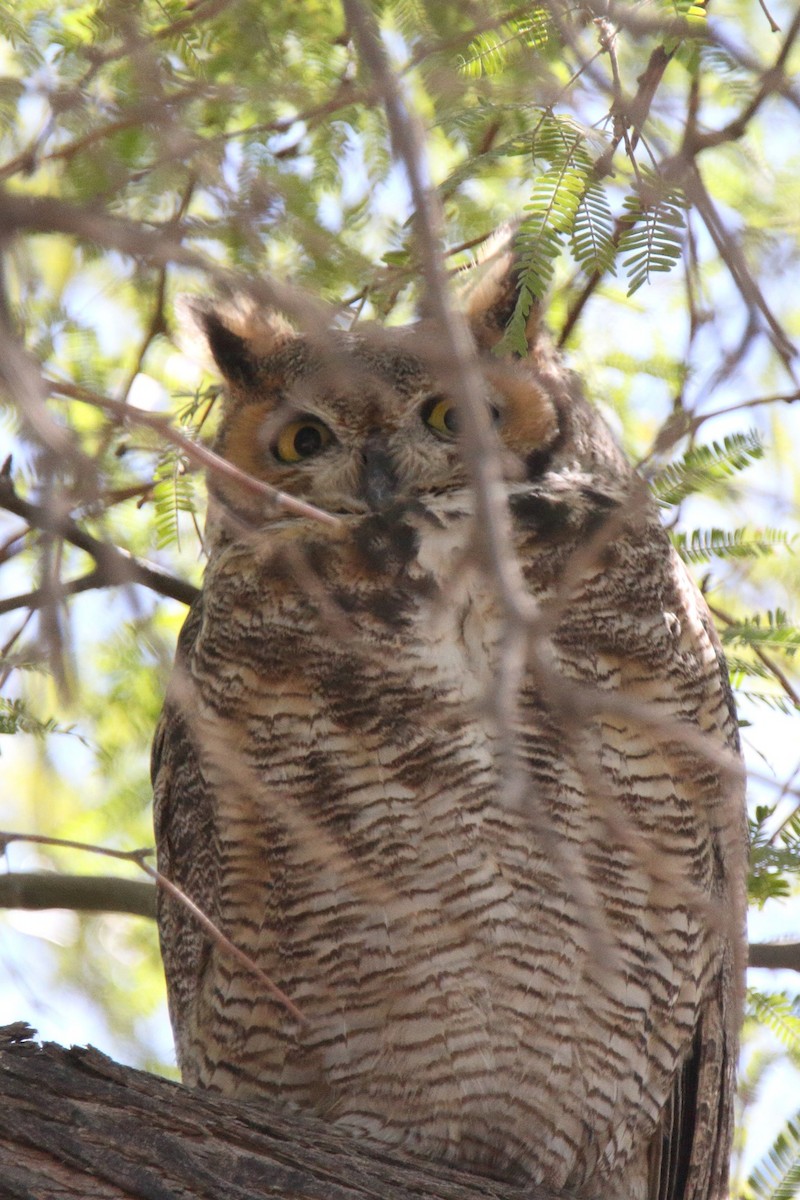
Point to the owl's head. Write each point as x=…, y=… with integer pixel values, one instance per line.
x=356, y=422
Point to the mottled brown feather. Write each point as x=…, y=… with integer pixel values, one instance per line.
x=540, y=984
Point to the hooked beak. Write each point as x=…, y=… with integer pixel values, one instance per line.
x=378, y=479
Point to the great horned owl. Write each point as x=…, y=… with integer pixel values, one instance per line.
x=533, y=973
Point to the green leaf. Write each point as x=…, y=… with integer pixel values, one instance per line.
x=173, y=493
x=773, y=859
x=16, y=717
x=777, y=1175
x=776, y=701
x=702, y=545
x=703, y=467
x=566, y=202
x=490, y=51
x=653, y=223
x=779, y=1014
x=769, y=630
x=592, y=241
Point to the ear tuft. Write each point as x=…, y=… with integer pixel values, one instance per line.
x=490, y=297
x=238, y=335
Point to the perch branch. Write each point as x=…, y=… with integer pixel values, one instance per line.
x=74, y=1125
x=775, y=956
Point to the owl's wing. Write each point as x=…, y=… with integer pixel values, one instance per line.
x=643, y=618
x=185, y=836
x=690, y=1150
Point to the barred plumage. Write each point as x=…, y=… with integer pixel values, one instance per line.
x=540, y=984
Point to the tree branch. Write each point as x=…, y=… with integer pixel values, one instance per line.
x=81, y=893
x=140, y=857
x=115, y=566
x=155, y=244
x=196, y=452
x=44, y=595
x=74, y=1125
x=775, y=956
x=107, y=893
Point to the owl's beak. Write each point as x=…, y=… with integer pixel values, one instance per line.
x=378, y=480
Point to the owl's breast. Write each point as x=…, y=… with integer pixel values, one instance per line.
x=434, y=936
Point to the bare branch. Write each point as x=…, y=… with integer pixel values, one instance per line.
x=158, y=245
x=140, y=857
x=773, y=24
x=34, y=890
x=772, y=81
x=114, y=566
x=81, y=893
x=194, y=451
x=44, y=595
x=734, y=260
x=775, y=956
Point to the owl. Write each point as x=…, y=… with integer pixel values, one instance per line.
x=508, y=915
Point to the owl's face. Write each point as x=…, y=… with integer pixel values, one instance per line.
x=358, y=424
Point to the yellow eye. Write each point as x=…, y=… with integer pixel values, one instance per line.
x=301, y=439
x=441, y=415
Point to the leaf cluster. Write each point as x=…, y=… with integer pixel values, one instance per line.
x=773, y=855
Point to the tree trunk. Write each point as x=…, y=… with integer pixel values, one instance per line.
x=75, y=1124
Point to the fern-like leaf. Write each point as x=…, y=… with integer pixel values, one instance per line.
x=768, y=631
x=551, y=213
x=16, y=717
x=702, y=467
x=775, y=701
x=490, y=51
x=772, y=859
x=593, y=232
x=173, y=493
x=777, y=1175
x=779, y=1014
x=654, y=219
x=702, y=545
x=740, y=669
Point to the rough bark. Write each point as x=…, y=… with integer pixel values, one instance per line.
x=74, y=1125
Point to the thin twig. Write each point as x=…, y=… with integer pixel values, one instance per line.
x=157, y=323
x=139, y=857
x=116, y=566
x=194, y=451
x=493, y=538
x=731, y=254
x=157, y=245
x=458, y=349
x=773, y=24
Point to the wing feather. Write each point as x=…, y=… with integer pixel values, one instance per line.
x=186, y=841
